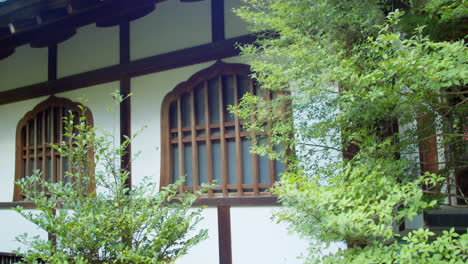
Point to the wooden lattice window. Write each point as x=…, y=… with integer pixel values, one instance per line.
x=39, y=127
x=204, y=142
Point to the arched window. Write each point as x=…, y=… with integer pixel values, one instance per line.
x=204, y=142
x=38, y=128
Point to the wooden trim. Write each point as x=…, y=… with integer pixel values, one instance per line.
x=224, y=234
x=12, y=205
x=50, y=103
x=214, y=70
x=105, y=10
x=209, y=154
x=172, y=136
x=256, y=173
x=217, y=20
x=52, y=63
x=124, y=42
x=44, y=139
x=210, y=202
x=125, y=105
x=238, y=140
x=158, y=63
x=222, y=139
x=428, y=156
x=180, y=135
x=271, y=163
x=125, y=126
x=195, y=181
x=6, y=254
x=238, y=201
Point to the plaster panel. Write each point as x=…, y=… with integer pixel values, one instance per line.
x=234, y=25
x=207, y=250
x=98, y=99
x=24, y=67
x=257, y=239
x=13, y=224
x=91, y=48
x=172, y=26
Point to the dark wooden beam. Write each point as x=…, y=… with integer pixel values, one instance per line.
x=224, y=234
x=157, y=63
x=52, y=63
x=52, y=76
x=238, y=201
x=77, y=18
x=125, y=105
x=217, y=20
x=12, y=205
x=124, y=42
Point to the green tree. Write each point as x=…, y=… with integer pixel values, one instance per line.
x=344, y=75
x=93, y=217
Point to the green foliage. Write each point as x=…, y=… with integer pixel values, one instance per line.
x=94, y=217
x=342, y=74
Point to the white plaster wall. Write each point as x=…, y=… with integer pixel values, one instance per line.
x=98, y=99
x=91, y=48
x=172, y=26
x=24, y=67
x=258, y=239
x=13, y=224
x=234, y=25
x=208, y=249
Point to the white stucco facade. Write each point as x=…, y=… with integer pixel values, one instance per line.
x=174, y=25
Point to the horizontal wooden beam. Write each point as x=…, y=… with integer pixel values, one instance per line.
x=157, y=63
x=11, y=205
x=224, y=234
x=211, y=202
x=238, y=201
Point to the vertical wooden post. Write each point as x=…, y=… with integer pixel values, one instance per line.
x=217, y=20
x=224, y=234
x=51, y=76
x=239, y=164
x=125, y=105
x=224, y=165
x=209, y=161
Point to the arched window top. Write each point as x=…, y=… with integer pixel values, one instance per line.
x=217, y=69
x=35, y=131
x=205, y=143
x=51, y=102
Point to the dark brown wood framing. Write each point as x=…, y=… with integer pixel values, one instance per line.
x=224, y=234
x=42, y=23
x=217, y=20
x=157, y=63
x=195, y=120
x=52, y=63
x=41, y=125
x=125, y=105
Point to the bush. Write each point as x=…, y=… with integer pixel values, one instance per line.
x=92, y=216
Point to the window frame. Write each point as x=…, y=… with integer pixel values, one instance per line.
x=40, y=109
x=218, y=69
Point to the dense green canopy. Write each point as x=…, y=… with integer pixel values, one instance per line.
x=378, y=82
